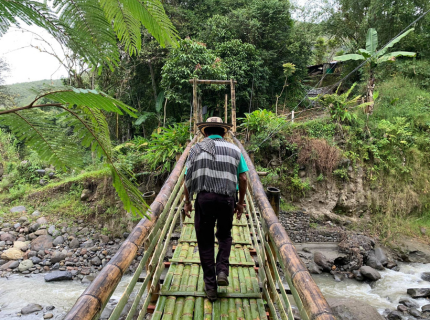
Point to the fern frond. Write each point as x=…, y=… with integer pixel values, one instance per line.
x=51, y=145
x=83, y=111
x=152, y=15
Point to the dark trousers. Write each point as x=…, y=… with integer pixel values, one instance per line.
x=211, y=208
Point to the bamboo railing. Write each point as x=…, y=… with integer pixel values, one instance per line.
x=255, y=284
x=307, y=295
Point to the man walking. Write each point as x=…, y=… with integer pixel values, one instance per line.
x=215, y=170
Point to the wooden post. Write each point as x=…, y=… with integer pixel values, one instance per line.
x=195, y=111
x=233, y=104
x=225, y=109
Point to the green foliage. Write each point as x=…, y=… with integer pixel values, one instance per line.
x=261, y=121
x=82, y=111
x=85, y=25
x=190, y=60
x=161, y=149
x=339, y=106
x=23, y=93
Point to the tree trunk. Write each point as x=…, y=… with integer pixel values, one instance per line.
x=154, y=86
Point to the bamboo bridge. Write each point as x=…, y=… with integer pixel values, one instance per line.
x=261, y=249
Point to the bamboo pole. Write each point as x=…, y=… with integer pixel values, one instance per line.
x=195, y=111
x=314, y=302
x=97, y=294
x=158, y=312
x=225, y=109
x=212, y=81
x=199, y=306
x=233, y=104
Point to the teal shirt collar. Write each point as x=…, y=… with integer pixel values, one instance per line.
x=215, y=136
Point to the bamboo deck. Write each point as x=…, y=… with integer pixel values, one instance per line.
x=182, y=295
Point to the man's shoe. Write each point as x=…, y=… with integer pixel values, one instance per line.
x=222, y=279
x=211, y=294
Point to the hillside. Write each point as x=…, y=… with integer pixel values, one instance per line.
x=24, y=91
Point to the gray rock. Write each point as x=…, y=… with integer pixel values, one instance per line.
x=42, y=221
x=425, y=276
x=373, y=262
x=57, y=241
x=51, y=229
x=419, y=292
x=31, y=308
x=35, y=260
x=34, y=227
x=17, y=209
x=14, y=265
x=16, y=225
x=425, y=308
x=48, y=315
x=409, y=303
x=43, y=182
x=7, y=237
x=40, y=172
x=402, y=308
x=84, y=231
x=370, y=273
x=357, y=275
x=395, y=315
x=58, y=276
x=2, y=262
x=87, y=244
x=2, y=244
x=350, y=309
x=391, y=264
x=96, y=261
x=25, y=265
x=35, y=213
x=74, y=243
x=57, y=257
x=41, y=243
x=314, y=268
x=104, y=239
x=50, y=308
x=322, y=261
x=414, y=312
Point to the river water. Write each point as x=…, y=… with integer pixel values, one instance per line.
x=17, y=291
x=386, y=292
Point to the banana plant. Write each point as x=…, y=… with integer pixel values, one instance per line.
x=376, y=57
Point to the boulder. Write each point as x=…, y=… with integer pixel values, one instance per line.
x=425, y=276
x=395, y=315
x=381, y=256
x=34, y=227
x=314, y=268
x=12, y=254
x=58, y=276
x=409, y=303
x=322, y=261
x=42, y=221
x=25, y=265
x=57, y=257
x=373, y=262
x=17, y=209
x=103, y=238
x=31, y=308
x=35, y=213
x=74, y=243
x=20, y=245
x=58, y=240
x=414, y=312
x=419, y=292
x=86, y=193
x=357, y=275
x=370, y=273
x=350, y=309
x=7, y=237
x=51, y=230
x=41, y=243
x=425, y=308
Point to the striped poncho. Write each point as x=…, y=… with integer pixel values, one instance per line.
x=212, y=167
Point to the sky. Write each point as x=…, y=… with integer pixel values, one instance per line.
x=27, y=63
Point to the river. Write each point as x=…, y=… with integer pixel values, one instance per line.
x=17, y=291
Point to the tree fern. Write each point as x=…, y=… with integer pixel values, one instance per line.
x=85, y=26
x=83, y=111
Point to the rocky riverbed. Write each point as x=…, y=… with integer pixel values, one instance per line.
x=32, y=244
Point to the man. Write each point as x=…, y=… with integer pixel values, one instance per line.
x=215, y=169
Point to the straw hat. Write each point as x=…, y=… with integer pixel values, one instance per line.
x=214, y=122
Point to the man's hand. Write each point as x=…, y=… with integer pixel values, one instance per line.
x=238, y=209
x=188, y=207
